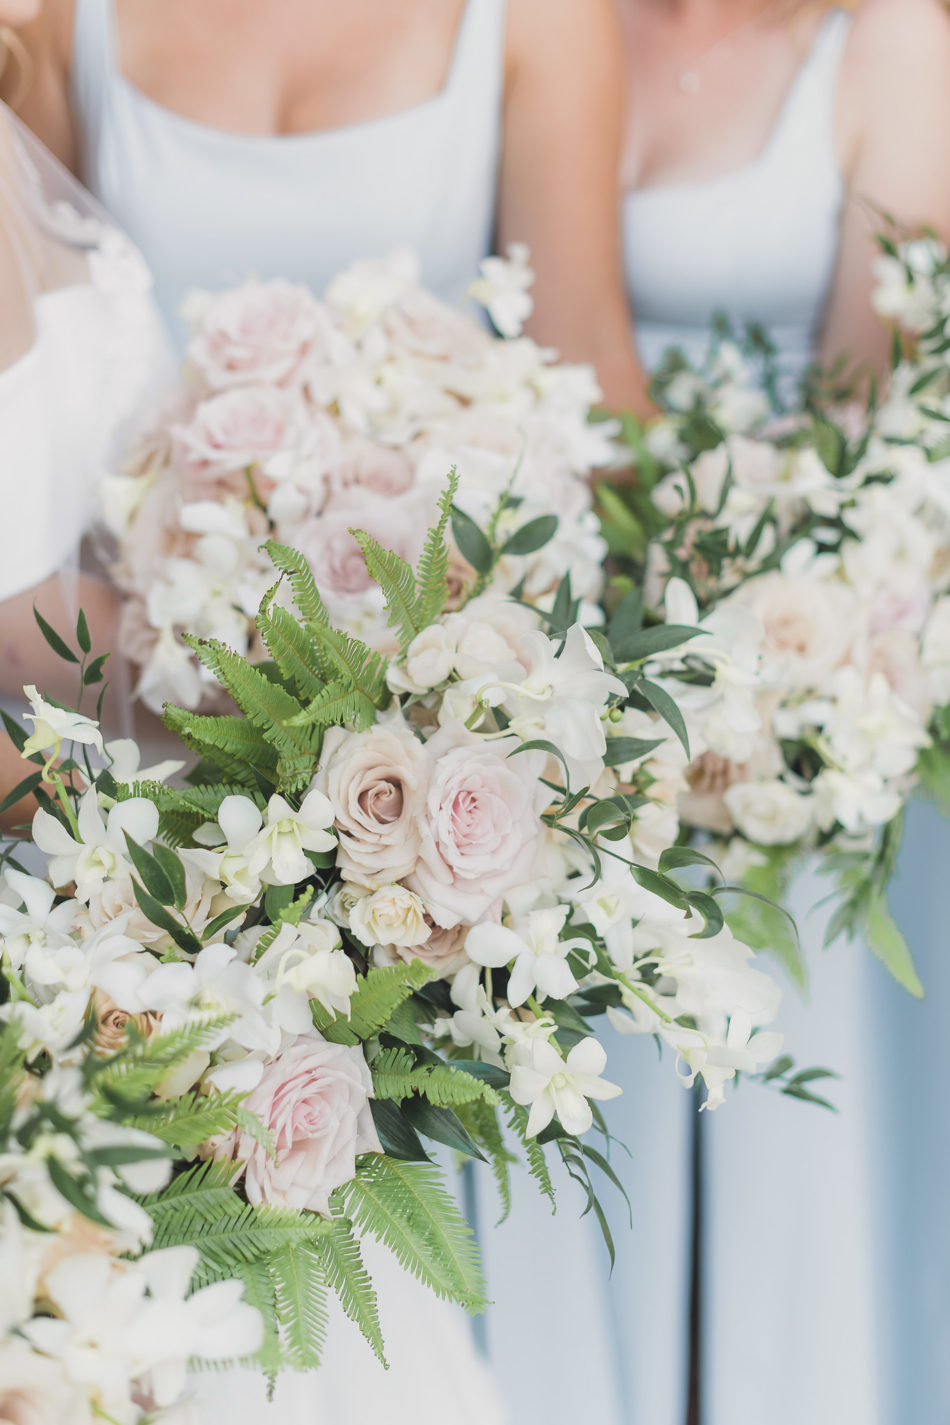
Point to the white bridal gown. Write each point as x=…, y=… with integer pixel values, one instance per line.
x=792, y=1259
x=208, y=208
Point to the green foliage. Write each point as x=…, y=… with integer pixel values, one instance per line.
x=380, y=994
x=432, y=588
x=534, y=1151
x=189, y=1121
x=294, y=566
x=126, y=1081
x=292, y=648
x=232, y=744
x=397, y=1075
x=481, y=1120
x=300, y=1296
x=406, y=1206
x=757, y=917
x=398, y=584
x=344, y=1271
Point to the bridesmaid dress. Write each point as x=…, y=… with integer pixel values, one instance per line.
x=793, y=1263
x=209, y=207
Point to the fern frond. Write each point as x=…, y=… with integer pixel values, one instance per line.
x=301, y=1299
x=182, y=811
x=132, y=1075
x=291, y=647
x=291, y=563
x=408, y=1207
x=189, y=1121
x=432, y=590
x=267, y=705
x=357, y=668
x=339, y=704
x=381, y=991
x=396, y=1075
x=534, y=1151
x=231, y=743
x=344, y=1271
x=398, y=583
x=481, y=1120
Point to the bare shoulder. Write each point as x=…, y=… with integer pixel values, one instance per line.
x=906, y=38
x=580, y=31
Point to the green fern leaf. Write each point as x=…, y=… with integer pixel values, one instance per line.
x=181, y=812
x=301, y=1299
x=381, y=991
x=431, y=574
x=356, y=668
x=188, y=1122
x=408, y=1207
x=396, y=1075
x=131, y=1076
x=299, y=575
x=267, y=705
x=233, y=744
x=398, y=583
x=534, y=1151
x=481, y=1120
x=339, y=704
x=291, y=647
x=344, y=1271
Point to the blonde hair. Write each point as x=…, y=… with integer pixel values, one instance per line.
x=13, y=48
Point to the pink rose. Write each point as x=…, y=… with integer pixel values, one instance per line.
x=335, y=556
x=481, y=829
x=314, y=1100
x=372, y=467
x=259, y=332
x=376, y=783
x=236, y=429
x=422, y=325
x=444, y=950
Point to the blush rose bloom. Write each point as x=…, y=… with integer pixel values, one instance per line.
x=481, y=829
x=236, y=429
x=376, y=783
x=334, y=555
x=259, y=332
x=314, y=1100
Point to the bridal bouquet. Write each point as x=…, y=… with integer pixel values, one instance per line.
x=298, y=419
x=825, y=535
x=382, y=912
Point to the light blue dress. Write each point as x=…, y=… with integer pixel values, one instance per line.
x=793, y=1271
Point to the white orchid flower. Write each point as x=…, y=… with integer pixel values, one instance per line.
x=531, y=944
x=279, y=855
x=40, y=922
x=126, y=758
x=100, y=853
x=502, y=289
x=556, y=1087
x=52, y=726
x=241, y=821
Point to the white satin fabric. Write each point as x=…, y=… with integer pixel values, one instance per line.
x=209, y=208
x=758, y=244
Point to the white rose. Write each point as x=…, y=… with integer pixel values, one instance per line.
x=431, y=657
x=392, y=915
x=771, y=813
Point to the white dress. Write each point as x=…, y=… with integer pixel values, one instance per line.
x=791, y=1266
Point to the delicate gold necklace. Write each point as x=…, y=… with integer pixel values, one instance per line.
x=689, y=80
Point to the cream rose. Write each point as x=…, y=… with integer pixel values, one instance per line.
x=314, y=1100
x=376, y=783
x=810, y=623
x=771, y=813
x=391, y=915
x=258, y=332
x=481, y=831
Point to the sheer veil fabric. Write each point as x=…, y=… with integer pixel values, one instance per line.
x=81, y=347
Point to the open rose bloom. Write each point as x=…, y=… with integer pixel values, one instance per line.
x=300, y=418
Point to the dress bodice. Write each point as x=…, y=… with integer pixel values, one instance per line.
x=758, y=244
x=209, y=208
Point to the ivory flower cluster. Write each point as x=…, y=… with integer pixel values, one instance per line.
x=300, y=419
x=819, y=544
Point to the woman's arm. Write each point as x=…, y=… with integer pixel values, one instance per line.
x=894, y=117
x=559, y=183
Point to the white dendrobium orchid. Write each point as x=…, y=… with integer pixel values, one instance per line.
x=279, y=855
x=309, y=959
x=502, y=289
x=52, y=726
x=101, y=852
x=553, y=1086
x=40, y=922
x=531, y=944
x=240, y=820
x=126, y=758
